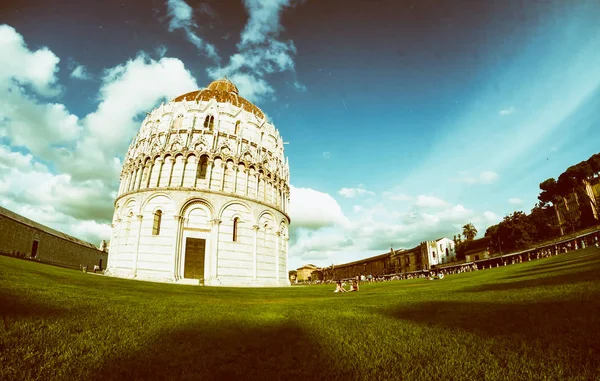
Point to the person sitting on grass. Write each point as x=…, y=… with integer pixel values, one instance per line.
x=339, y=287
x=354, y=286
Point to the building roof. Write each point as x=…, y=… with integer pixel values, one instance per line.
x=361, y=261
x=308, y=266
x=408, y=251
x=224, y=91
x=26, y=221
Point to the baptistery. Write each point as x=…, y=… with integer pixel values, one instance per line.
x=204, y=194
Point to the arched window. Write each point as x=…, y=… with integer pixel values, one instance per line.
x=202, y=167
x=156, y=224
x=235, y=229
x=209, y=122
x=237, y=127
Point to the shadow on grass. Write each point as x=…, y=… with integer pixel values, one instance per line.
x=582, y=267
x=565, y=331
x=551, y=280
x=568, y=323
x=12, y=306
x=570, y=264
x=219, y=352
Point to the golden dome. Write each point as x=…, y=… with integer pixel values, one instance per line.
x=223, y=90
x=223, y=84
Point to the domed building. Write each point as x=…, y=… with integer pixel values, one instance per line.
x=204, y=195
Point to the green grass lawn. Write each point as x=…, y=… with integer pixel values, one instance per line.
x=537, y=320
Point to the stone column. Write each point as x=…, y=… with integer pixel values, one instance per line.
x=235, y=178
x=132, y=180
x=137, y=244
x=209, y=167
x=177, y=273
x=224, y=172
x=142, y=170
x=172, y=161
x=160, y=167
x=254, y=254
x=215, y=252
x=117, y=239
x=258, y=178
x=265, y=186
x=185, y=160
x=150, y=167
x=287, y=270
x=138, y=181
x=277, y=253
x=247, y=172
x=121, y=185
x=127, y=181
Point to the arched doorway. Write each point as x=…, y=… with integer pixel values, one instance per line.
x=195, y=242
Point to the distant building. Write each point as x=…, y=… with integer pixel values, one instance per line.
x=377, y=265
x=568, y=209
x=22, y=237
x=204, y=195
x=420, y=258
x=439, y=251
x=478, y=249
x=304, y=273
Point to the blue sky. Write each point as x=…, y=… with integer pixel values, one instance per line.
x=406, y=120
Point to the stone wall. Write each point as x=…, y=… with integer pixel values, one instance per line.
x=19, y=234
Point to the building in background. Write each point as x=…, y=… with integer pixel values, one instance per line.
x=204, y=195
x=304, y=273
x=22, y=237
x=439, y=251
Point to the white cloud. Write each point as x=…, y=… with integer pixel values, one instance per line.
x=180, y=17
x=300, y=87
x=354, y=192
x=507, y=111
x=326, y=155
x=491, y=217
x=124, y=95
x=80, y=72
x=34, y=68
x=320, y=245
x=488, y=177
x=312, y=209
x=259, y=51
x=396, y=196
x=27, y=187
x=515, y=201
x=160, y=51
x=329, y=236
x=424, y=201
x=485, y=177
x=84, y=153
x=25, y=121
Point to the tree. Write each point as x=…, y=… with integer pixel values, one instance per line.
x=515, y=232
x=469, y=231
x=549, y=192
x=541, y=218
x=594, y=163
x=495, y=242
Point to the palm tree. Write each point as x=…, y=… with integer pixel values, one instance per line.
x=469, y=231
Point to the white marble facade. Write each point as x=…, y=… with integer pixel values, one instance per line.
x=204, y=195
x=440, y=251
